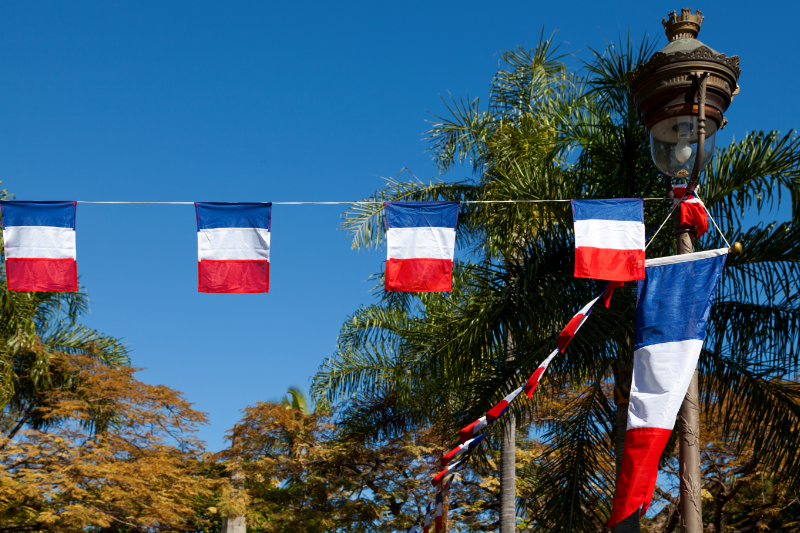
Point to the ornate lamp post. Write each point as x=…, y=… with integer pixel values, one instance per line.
x=681, y=94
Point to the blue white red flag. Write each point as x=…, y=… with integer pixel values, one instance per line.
x=671, y=315
x=533, y=381
x=414, y=527
x=233, y=247
x=439, y=515
x=462, y=448
x=692, y=209
x=421, y=241
x=574, y=325
x=426, y=526
x=39, y=239
x=609, y=239
x=452, y=466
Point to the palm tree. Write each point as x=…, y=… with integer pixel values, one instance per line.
x=548, y=135
x=36, y=330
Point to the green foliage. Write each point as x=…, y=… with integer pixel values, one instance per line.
x=550, y=134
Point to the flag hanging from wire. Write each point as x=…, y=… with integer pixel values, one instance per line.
x=39, y=239
x=692, y=209
x=233, y=243
x=671, y=314
x=421, y=241
x=609, y=239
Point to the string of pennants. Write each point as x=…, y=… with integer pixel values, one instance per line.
x=233, y=243
x=673, y=304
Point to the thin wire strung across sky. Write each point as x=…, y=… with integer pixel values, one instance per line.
x=364, y=202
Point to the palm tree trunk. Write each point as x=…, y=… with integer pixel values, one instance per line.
x=508, y=476
x=508, y=462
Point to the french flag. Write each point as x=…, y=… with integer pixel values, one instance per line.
x=439, y=515
x=671, y=314
x=609, y=239
x=421, y=242
x=494, y=413
x=426, y=526
x=233, y=247
x=463, y=448
x=39, y=239
x=574, y=325
x=452, y=466
x=693, y=210
x=533, y=381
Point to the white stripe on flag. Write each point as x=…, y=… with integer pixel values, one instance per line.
x=39, y=242
x=233, y=244
x=611, y=234
x=685, y=258
x=661, y=375
x=420, y=243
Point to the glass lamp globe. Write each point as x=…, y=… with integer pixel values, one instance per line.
x=673, y=143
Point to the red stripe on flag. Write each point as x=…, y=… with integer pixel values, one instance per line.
x=568, y=332
x=51, y=275
x=608, y=264
x=637, y=478
x=496, y=411
x=439, y=526
x=446, y=458
x=531, y=384
x=419, y=275
x=610, y=290
x=233, y=276
x=468, y=432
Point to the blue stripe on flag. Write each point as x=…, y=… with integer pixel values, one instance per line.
x=476, y=441
x=675, y=301
x=50, y=214
x=616, y=209
x=421, y=214
x=212, y=215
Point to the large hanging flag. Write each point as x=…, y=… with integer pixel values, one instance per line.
x=39, y=240
x=671, y=315
x=609, y=239
x=692, y=209
x=421, y=242
x=233, y=247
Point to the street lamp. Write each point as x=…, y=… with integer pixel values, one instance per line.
x=681, y=86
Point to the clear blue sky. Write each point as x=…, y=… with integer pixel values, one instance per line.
x=257, y=101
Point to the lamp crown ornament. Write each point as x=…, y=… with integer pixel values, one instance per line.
x=683, y=26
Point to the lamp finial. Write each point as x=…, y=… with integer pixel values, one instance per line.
x=683, y=26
